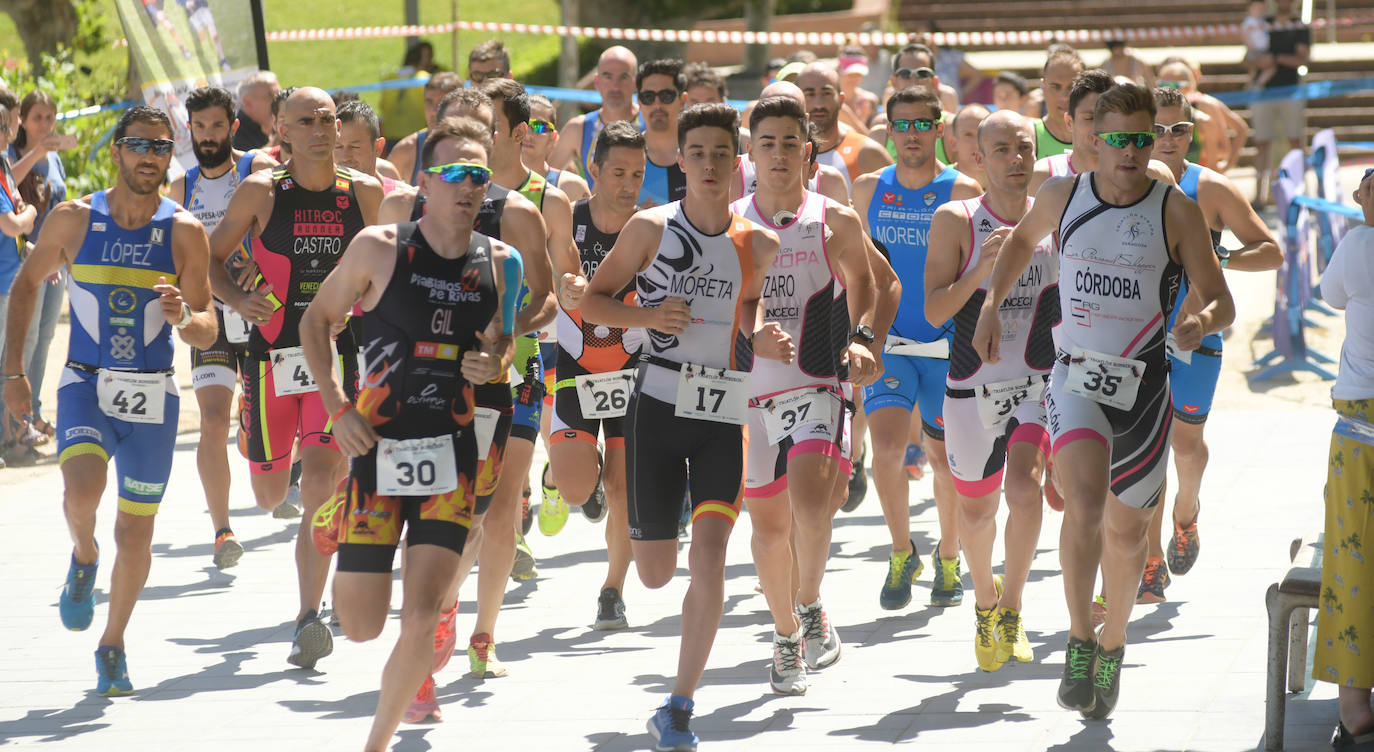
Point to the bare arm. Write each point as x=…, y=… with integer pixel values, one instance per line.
x=403, y=155
x=946, y=289
x=1259, y=251
x=397, y=206
x=563, y=254
x=1193, y=250
x=831, y=184
x=262, y=162
x=21, y=169
x=564, y=155
x=873, y=156
x=522, y=226
x=889, y=293
x=15, y=224
x=55, y=248
x=848, y=250
x=633, y=251
x=369, y=192
x=573, y=186
x=191, y=250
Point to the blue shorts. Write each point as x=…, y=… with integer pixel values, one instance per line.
x=142, y=451
x=1195, y=384
x=528, y=396
x=912, y=381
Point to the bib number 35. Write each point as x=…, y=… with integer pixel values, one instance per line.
x=1104, y=379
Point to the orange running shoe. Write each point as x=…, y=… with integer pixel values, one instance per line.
x=425, y=705
x=327, y=525
x=445, y=638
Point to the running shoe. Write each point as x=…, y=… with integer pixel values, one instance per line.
x=594, y=508
x=858, y=485
x=610, y=610
x=112, y=672
x=1183, y=545
x=902, y=571
x=947, y=589
x=313, y=641
x=228, y=550
x=445, y=639
x=1011, y=637
x=1153, y=582
x=1076, y=687
x=553, y=512
x=787, y=675
x=669, y=726
x=76, y=604
x=425, y=705
x=1106, y=682
x=915, y=462
x=290, y=507
x=482, y=662
x=523, y=569
x=526, y=518
x=822, y=641
x=1099, y=611
x=985, y=638
x=327, y=525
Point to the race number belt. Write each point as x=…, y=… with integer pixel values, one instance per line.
x=903, y=346
x=1105, y=379
x=416, y=467
x=786, y=413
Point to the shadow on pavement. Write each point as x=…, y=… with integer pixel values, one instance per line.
x=55, y=725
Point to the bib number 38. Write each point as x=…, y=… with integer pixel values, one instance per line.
x=1104, y=379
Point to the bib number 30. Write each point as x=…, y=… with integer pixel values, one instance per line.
x=717, y=395
x=132, y=397
x=1105, y=379
x=416, y=467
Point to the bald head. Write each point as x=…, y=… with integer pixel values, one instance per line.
x=307, y=100
x=1003, y=125
x=817, y=75
x=783, y=89
x=970, y=116
x=617, y=54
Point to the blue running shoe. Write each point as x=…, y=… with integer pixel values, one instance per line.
x=112, y=672
x=668, y=726
x=915, y=461
x=75, y=605
x=902, y=570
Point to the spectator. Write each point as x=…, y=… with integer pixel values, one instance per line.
x=403, y=110
x=1345, y=618
x=16, y=221
x=771, y=75
x=1259, y=64
x=1122, y=61
x=1009, y=92
x=1220, y=132
x=256, y=93
x=862, y=102
x=1290, y=48
x=42, y=182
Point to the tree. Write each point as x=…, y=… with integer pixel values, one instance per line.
x=43, y=25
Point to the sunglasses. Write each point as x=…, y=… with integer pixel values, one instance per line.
x=1119, y=139
x=921, y=72
x=159, y=146
x=920, y=124
x=1177, y=130
x=1170, y=84
x=478, y=77
x=457, y=172
x=540, y=127
x=666, y=96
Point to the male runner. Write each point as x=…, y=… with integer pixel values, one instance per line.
x=698, y=270
x=964, y=142
x=847, y=150
x=662, y=92
x=405, y=155
x=488, y=60
x=591, y=358
x=1052, y=133
x=205, y=190
x=914, y=65
x=994, y=414
x=535, y=150
x=896, y=206
x=826, y=180
x=1122, y=237
x=203, y=24
x=1193, y=378
x=138, y=268
x=360, y=143
x=798, y=453
x=615, y=80
x=301, y=216
x=440, y=302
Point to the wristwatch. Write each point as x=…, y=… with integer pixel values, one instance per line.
x=863, y=333
x=186, y=315
x=1223, y=254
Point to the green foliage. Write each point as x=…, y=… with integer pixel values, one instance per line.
x=92, y=33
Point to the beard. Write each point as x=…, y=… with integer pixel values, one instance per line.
x=214, y=158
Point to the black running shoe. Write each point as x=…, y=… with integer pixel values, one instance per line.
x=610, y=610
x=1106, y=682
x=594, y=509
x=1076, y=687
x=858, y=486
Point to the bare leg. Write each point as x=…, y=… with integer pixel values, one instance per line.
x=1021, y=488
x=887, y=428
x=212, y=457
x=704, y=602
x=1081, y=473
x=1123, y=562
x=946, y=501
x=502, y=523
x=321, y=469
x=133, y=559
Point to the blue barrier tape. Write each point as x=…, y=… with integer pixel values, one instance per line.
x=95, y=109
x=1365, y=145
x=1321, y=204
x=1310, y=90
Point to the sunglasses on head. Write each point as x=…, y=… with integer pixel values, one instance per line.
x=1119, y=139
x=920, y=124
x=1177, y=130
x=665, y=96
x=457, y=172
x=921, y=72
x=159, y=146
x=540, y=127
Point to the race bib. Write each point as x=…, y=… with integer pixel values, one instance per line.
x=903, y=346
x=713, y=394
x=484, y=427
x=1105, y=379
x=132, y=397
x=604, y=395
x=996, y=402
x=290, y=374
x=784, y=415
x=416, y=467
x=236, y=330
x=1171, y=347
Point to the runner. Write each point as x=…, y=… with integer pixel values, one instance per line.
x=964, y=143
x=662, y=92
x=1052, y=133
x=798, y=455
x=117, y=396
x=847, y=150
x=405, y=154
x=361, y=143
x=822, y=179
x=994, y=414
x=205, y=190
x=301, y=216
x=486, y=61
x=586, y=351
x=1193, y=377
x=896, y=206
x=535, y=150
x=699, y=270
x=615, y=79
x=913, y=65
x=439, y=320
x=1107, y=403
x=203, y=24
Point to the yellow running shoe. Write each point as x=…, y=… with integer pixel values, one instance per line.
x=1011, y=638
x=553, y=510
x=327, y=526
x=482, y=660
x=985, y=639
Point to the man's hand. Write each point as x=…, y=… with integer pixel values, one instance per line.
x=987, y=255
x=987, y=334
x=1187, y=331
x=672, y=316
x=484, y=364
x=19, y=398
x=353, y=433
x=254, y=307
x=773, y=343
x=573, y=287
x=864, y=366
x=171, y=301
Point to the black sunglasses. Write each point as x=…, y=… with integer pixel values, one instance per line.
x=922, y=72
x=159, y=146
x=665, y=96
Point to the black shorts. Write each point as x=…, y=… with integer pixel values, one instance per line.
x=568, y=423
x=665, y=453
x=220, y=363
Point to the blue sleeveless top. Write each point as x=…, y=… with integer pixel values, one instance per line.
x=591, y=125
x=419, y=147
x=899, y=221
x=117, y=322
x=244, y=167
x=1188, y=184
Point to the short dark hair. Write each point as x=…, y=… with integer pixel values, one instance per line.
x=915, y=95
x=210, y=96
x=461, y=129
x=515, y=103
x=1015, y=80
x=543, y=101
x=1125, y=99
x=280, y=97
x=1095, y=81
x=9, y=99
x=444, y=81
x=492, y=49
x=142, y=113
x=343, y=97
x=620, y=133
x=670, y=67
x=783, y=107
x=713, y=115
x=1061, y=53
x=473, y=98
x=1168, y=96
x=813, y=137
x=360, y=111
x=914, y=48
x=701, y=74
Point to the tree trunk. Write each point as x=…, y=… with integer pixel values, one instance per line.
x=758, y=16
x=42, y=24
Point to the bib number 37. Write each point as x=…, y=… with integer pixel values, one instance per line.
x=1104, y=379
